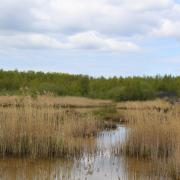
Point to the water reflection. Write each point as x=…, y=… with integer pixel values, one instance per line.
x=18, y=168
x=101, y=164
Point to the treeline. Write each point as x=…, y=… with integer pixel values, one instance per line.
x=117, y=88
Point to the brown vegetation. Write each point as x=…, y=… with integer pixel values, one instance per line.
x=44, y=131
x=158, y=104
x=51, y=100
x=154, y=135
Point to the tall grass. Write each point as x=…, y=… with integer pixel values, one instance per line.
x=43, y=131
x=155, y=135
x=152, y=138
x=55, y=101
x=158, y=104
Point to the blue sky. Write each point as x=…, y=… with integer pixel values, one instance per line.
x=97, y=37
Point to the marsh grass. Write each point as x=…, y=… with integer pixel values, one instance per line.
x=49, y=100
x=151, y=140
x=154, y=136
x=158, y=105
x=44, y=131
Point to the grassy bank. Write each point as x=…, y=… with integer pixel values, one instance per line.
x=48, y=126
x=154, y=135
x=35, y=130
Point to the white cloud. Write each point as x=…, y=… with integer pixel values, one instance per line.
x=170, y=24
x=140, y=5
x=28, y=41
x=105, y=25
x=86, y=40
x=169, y=28
x=123, y=17
x=93, y=40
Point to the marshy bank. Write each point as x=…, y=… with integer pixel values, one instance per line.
x=100, y=140
x=154, y=137
x=100, y=164
x=35, y=130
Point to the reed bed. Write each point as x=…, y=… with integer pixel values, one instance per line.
x=44, y=131
x=55, y=101
x=155, y=136
x=158, y=104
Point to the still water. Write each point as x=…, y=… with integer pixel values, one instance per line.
x=100, y=165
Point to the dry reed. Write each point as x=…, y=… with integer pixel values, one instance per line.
x=43, y=131
x=155, y=135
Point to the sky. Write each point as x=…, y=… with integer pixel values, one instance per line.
x=94, y=37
